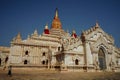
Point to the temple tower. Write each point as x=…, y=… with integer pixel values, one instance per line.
x=56, y=21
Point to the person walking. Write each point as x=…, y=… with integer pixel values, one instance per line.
x=0, y=61
x=10, y=70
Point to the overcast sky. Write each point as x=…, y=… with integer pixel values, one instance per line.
x=25, y=16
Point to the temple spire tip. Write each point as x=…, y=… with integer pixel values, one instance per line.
x=56, y=12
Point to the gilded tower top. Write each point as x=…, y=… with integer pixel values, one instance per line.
x=56, y=21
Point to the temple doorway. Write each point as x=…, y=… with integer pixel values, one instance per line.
x=76, y=62
x=25, y=61
x=102, y=59
x=43, y=62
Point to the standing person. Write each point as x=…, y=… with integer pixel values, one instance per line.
x=10, y=70
x=0, y=61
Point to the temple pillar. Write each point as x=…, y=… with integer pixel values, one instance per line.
x=88, y=57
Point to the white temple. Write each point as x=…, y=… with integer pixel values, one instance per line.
x=93, y=50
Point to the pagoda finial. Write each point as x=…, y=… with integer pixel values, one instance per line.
x=56, y=12
x=56, y=23
x=97, y=25
x=46, y=26
x=46, y=30
x=18, y=37
x=74, y=34
x=35, y=33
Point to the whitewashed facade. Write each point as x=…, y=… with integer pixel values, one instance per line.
x=4, y=53
x=93, y=50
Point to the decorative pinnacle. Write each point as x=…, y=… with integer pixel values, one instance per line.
x=97, y=25
x=73, y=32
x=18, y=36
x=35, y=32
x=46, y=26
x=56, y=12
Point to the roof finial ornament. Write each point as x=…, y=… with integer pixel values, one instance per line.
x=73, y=31
x=35, y=33
x=18, y=38
x=46, y=26
x=56, y=23
x=97, y=25
x=56, y=12
x=74, y=34
x=46, y=30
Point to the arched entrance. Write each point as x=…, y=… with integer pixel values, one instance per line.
x=76, y=62
x=102, y=59
x=25, y=61
x=43, y=62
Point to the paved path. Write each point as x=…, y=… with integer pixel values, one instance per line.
x=37, y=74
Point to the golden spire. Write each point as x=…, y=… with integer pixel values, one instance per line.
x=56, y=24
x=56, y=13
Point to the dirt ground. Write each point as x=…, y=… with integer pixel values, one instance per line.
x=37, y=74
